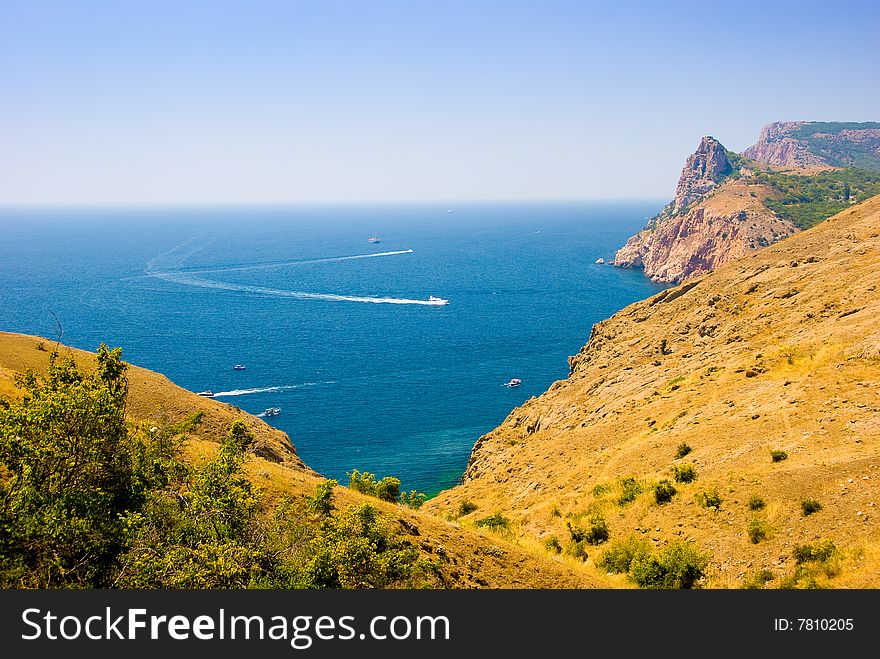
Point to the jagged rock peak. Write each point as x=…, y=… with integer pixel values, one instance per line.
x=703, y=170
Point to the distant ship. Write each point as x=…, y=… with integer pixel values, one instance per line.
x=271, y=411
x=239, y=367
x=373, y=239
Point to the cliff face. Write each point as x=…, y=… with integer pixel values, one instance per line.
x=720, y=210
x=778, y=351
x=814, y=144
x=712, y=221
x=775, y=147
x=701, y=240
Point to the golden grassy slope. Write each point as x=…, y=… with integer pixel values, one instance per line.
x=152, y=398
x=467, y=558
x=777, y=351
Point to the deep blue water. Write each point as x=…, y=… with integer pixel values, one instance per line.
x=399, y=389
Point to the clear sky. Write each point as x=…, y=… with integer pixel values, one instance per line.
x=267, y=101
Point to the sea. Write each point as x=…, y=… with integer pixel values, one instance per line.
x=334, y=329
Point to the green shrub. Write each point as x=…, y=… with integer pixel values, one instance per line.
x=758, y=579
x=595, y=533
x=619, y=556
x=386, y=489
x=321, y=503
x=466, y=507
x=810, y=506
x=778, y=456
x=684, y=473
x=680, y=565
x=757, y=530
x=412, y=499
x=495, y=522
x=577, y=550
x=820, y=552
x=664, y=491
x=551, y=544
x=363, y=482
x=682, y=450
x=756, y=502
x=630, y=489
x=710, y=499
x=813, y=561
x=353, y=550
x=600, y=489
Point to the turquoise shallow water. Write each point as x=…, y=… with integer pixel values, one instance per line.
x=392, y=387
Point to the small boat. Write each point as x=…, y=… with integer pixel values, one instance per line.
x=272, y=411
x=239, y=367
x=515, y=382
x=373, y=239
x=437, y=300
x=449, y=211
x=207, y=393
x=600, y=261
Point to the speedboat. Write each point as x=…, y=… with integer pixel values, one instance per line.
x=207, y=393
x=515, y=382
x=437, y=300
x=239, y=367
x=373, y=239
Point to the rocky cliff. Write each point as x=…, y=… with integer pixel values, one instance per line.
x=775, y=147
x=712, y=220
x=818, y=144
x=778, y=352
x=702, y=172
x=727, y=205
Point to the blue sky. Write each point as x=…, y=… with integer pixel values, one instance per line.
x=270, y=102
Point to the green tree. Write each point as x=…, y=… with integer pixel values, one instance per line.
x=201, y=530
x=68, y=476
x=353, y=550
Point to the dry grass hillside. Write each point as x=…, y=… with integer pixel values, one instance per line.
x=779, y=351
x=467, y=558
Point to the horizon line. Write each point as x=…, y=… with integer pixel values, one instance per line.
x=447, y=203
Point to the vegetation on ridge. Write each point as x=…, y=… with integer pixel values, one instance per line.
x=86, y=500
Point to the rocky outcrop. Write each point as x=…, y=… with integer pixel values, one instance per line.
x=701, y=240
x=703, y=170
x=713, y=220
x=776, y=147
x=812, y=144
x=718, y=213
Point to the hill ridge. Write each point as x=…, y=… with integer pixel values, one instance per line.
x=776, y=352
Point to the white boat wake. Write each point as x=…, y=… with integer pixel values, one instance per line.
x=284, y=264
x=267, y=390
x=187, y=278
